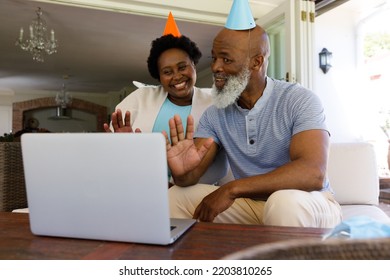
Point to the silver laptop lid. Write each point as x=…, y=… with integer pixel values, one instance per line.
x=98, y=186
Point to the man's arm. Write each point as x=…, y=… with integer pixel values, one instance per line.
x=188, y=159
x=306, y=171
x=192, y=177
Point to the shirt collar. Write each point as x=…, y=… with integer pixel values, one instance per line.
x=263, y=99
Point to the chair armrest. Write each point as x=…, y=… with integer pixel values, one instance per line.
x=12, y=183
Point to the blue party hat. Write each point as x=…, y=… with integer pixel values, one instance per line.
x=240, y=16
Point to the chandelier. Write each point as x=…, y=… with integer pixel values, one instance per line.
x=38, y=43
x=63, y=98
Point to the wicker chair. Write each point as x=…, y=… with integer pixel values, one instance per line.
x=314, y=249
x=12, y=184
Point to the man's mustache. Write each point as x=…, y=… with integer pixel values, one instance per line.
x=220, y=76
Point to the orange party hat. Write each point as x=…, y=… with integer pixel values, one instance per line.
x=171, y=27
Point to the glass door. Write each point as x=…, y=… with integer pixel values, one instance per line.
x=279, y=24
x=290, y=27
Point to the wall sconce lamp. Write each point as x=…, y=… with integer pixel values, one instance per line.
x=325, y=60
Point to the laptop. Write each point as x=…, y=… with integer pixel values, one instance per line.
x=103, y=186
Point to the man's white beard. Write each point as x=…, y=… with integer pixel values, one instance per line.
x=234, y=86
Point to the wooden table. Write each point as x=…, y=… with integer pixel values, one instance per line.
x=204, y=241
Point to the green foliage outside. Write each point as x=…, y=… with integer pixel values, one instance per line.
x=376, y=43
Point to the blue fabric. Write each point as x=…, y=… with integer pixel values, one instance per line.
x=359, y=227
x=167, y=111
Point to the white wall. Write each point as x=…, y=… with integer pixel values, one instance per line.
x=344, y=91
x=339, y=88
x=5, y=119
x=8, y=97
x=80, y=121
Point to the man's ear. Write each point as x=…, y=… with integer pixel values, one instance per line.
x=257, y=62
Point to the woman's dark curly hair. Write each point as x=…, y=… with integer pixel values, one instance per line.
x=167, y=42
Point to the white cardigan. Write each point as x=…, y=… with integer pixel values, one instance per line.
x=144, y=105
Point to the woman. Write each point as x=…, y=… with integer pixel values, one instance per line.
x=172, y=61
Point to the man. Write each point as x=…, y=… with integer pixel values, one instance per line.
x=274, y=135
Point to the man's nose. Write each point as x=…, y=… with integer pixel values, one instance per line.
x=216, y=66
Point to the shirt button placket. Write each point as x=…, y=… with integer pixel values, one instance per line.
x=252, y=132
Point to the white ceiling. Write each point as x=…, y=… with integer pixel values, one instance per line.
x=103, y=44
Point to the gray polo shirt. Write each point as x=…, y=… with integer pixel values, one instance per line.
x=257, y=141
